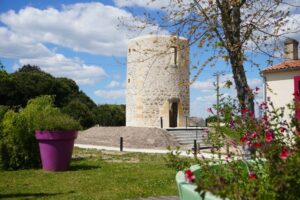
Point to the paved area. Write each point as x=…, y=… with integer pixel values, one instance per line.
x=183, y=153
x=159, y=198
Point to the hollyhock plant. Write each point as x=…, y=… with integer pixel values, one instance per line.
x=263, y=157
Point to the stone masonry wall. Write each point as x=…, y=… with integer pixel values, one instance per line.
x=157, y=73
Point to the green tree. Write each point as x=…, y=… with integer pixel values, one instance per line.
x=30, y=81
x=111, y=115
x=81, y=112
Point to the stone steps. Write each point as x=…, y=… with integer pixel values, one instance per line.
x=186, y=136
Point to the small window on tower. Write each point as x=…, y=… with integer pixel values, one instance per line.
x=174, y=51
x=128, y=80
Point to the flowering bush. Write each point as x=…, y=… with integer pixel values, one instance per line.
x=268, y=165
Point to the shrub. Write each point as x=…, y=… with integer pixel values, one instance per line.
x=18, y=146
x=267, y=168
x=174, y=161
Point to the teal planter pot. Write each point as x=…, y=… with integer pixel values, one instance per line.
x=187, y=190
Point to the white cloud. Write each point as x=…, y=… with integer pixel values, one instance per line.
x=207, y=98
x=255, y=82
x=110, y=94
x=113, y=84
x=84, y=27
x=203, y=85
x=142, y=3
x=208, y=85
x=20, y=46
x=60, y=66
x=116, y=76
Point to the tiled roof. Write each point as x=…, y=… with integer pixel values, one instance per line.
x=286, y=65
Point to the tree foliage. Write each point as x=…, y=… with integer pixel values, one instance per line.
x=111, y=115
x=28, y=82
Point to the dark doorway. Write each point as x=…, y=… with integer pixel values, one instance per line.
x=173, y=114
x=297, y=96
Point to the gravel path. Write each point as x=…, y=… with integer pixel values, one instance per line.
x=159, y=198
x=133, y=137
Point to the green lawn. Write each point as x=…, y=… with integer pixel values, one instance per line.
x=94, y=175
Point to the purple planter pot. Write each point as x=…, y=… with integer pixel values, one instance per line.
x=56, y=149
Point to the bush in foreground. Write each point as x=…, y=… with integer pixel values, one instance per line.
x=18, y=146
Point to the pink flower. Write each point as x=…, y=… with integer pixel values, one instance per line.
x=189, y=176
x=210, y=110
x=269, y=137
x=296, y=93
x=231, y=124
x=252, y=175
x=263, y=105
x=254, y=134
x=228, y=157
x=232, y=143
x=284, y=153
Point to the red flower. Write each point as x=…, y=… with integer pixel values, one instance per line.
x=269, y=137
x=299, y=134
x=265, y=118
x=282, y=129
x=244, y=110
x=257, y=145
x=243, y=138
x=252, y=175
x=284, y=153
x=189, y=176
x=256, y=89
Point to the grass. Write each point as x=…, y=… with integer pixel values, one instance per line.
x=94, y=175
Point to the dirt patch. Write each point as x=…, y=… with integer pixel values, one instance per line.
x=133, y=137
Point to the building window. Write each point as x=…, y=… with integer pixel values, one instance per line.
x=174, y=51
x=128, y=80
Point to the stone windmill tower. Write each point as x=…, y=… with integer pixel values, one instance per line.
x=157, y=81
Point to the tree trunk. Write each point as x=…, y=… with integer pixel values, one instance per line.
x=244, y=93
x=231, y=20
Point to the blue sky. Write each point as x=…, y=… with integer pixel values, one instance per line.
x=82, y=40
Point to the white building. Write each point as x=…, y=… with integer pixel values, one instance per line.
x=282, y=81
